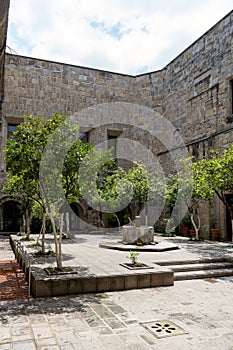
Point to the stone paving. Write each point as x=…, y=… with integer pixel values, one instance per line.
x=12, y=281
x=203, y=308
x=112, y=320
x=13, y=284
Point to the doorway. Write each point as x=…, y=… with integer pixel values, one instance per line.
x=229, y=198
x=10, y=216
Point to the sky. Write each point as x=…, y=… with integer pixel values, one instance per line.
x=124, y=36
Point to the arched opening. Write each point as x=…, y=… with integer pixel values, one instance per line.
x=73, y=217
x=76, y=217
x=10, y=216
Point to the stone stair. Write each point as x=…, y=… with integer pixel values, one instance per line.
x=199, y=268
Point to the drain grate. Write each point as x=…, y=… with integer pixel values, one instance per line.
x=162, y=329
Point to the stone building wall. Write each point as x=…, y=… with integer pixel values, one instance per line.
x=40, y=87
x=4, y=9
x=194, y=92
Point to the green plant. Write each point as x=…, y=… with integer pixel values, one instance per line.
x=186, y=221
x=126, y=219
x=21, y=234
x=133, y=256
x=48, y=253
x=36, y=244
x=169, y=234
x=26, y=238
x=51, y=253
x=52, y=269
x=213, y=223
x=112, y=220
x=168, y=222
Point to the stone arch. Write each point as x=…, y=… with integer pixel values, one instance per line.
x=77, y=214
x=10, y=216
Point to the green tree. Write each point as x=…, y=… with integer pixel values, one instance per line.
x=130, y=188
x=217, y=174
x=22, y=191
x=24, y=156
x=182, y=186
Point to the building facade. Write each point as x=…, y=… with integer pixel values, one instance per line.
x=194, y=92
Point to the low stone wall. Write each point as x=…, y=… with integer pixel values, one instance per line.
x=44, y=285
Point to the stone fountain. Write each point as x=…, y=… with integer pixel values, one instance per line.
x=138, y=234
x=137, y=237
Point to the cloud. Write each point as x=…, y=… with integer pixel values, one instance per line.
x=127, y=36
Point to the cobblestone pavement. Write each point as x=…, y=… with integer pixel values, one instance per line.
x=203, y=309
x=112, y=321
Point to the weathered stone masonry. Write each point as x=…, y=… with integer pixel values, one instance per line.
x=193, y=92
x=4, y=7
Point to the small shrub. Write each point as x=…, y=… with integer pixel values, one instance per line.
x=21, y=234
x=36, y=244
x=133, y=256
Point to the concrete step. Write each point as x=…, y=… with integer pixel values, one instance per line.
x=189, y=275
x=203, y=266
x=193, y=261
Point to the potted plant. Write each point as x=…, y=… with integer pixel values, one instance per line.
x=134, y=264
x=192, y=233
x=214, y=232
x=185, y=225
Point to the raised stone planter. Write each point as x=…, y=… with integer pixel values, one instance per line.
x=43, y=285
x=83, y=281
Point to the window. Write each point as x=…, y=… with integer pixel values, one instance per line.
x=112, y=142
x=84, y=136
x=11, y=128
x=231, y=83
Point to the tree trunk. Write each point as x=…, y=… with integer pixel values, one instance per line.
x=232, y=230
x=58, y=250
x=24, y=222
x=231, y=216
x=43, y=232
x=67, y=225
x=62, y=222
x=230, y=208
x=57, y=243
x=118, y=221
x=27, y=223
x=196, y=226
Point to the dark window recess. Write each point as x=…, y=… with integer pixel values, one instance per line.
x=112, y=143
x=84, y=136
x=195, y=151
x=229, y=118
x=231, y=82
x=11, y=128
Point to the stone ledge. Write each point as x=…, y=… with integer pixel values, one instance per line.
x=158, y=247
x=43, y=285
x=82, y=281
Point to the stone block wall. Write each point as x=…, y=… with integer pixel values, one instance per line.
x=193, y=92
x=4, y=9
x=42, y=88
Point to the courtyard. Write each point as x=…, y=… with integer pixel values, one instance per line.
x=197, y=313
